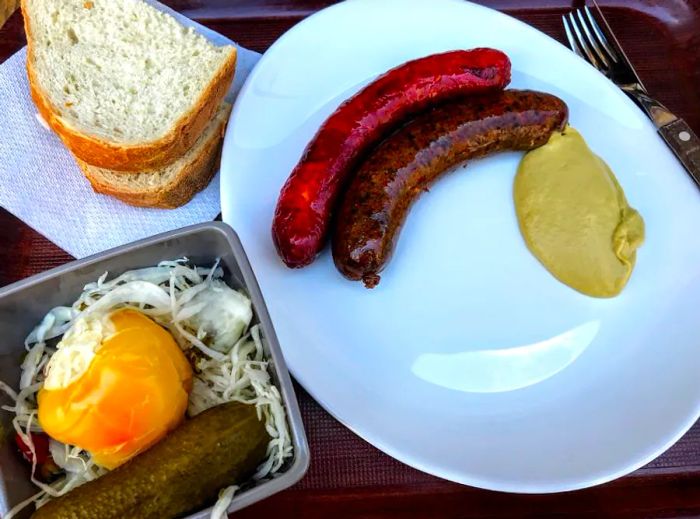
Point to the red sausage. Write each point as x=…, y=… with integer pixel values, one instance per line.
x=309, y=197
x=41, y=447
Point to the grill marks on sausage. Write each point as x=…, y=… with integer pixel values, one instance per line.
x=406, y=163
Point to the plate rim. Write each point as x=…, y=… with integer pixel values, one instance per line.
x=366, y=434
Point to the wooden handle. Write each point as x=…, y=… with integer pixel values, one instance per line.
x=685, y=144
x=7, y=7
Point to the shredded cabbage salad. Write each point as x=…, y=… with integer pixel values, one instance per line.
x=182, y=299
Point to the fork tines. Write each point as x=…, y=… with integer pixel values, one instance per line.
x=588, y=40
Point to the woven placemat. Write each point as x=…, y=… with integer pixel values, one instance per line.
x=340, y=459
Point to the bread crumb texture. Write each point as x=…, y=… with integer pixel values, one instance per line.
x=119, y=69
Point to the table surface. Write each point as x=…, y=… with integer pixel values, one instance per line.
x=350, y=478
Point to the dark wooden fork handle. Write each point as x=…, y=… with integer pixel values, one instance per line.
x=685, y=144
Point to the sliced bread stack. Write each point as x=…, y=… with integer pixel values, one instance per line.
x=134, y=95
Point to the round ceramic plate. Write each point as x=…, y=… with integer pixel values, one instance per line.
x=469, y=360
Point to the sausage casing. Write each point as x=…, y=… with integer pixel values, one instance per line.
x=309, y=197
x=407, y=162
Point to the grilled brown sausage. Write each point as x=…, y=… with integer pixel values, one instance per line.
x=309, y=198
x=406, y=163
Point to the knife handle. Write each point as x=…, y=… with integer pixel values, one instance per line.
x=685, y=144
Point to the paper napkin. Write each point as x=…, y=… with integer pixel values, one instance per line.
x=41, y=184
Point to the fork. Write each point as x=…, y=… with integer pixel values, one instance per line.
x=589, y=41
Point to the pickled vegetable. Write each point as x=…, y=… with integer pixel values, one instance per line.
x=182, y=473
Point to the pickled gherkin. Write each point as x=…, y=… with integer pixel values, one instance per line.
x=182, y=473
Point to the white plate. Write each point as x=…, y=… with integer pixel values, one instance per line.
x=469, y=361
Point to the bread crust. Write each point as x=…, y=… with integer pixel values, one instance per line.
x=191, y=179
x=140, y=157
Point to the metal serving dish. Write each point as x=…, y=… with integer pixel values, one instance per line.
x=23, y=305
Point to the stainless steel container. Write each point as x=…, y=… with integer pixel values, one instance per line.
x=23, y=305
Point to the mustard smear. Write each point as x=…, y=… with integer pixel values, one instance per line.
x=575, y=218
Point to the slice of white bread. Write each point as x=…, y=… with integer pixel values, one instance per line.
x=125, y=86
x=172, y=185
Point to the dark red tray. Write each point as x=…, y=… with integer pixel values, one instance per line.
x=350, y=478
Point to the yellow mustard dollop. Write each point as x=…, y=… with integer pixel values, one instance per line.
x=574, y=216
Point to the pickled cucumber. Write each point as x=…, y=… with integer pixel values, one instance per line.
x=182, y=473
